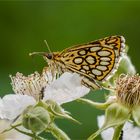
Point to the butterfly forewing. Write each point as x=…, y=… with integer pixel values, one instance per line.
x=95, y=61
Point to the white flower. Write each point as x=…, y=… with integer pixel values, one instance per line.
x=40, y=87
x=106, y=134
x=13, y=134
x=127, y=65
x=65, y=89
x=130, y=132
x=30, y=85
x=13, y=105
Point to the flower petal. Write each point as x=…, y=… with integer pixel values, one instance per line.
x=106, y=134
x=13, y=105
x=30, y=85
x=130, y=132
x=12, y=134
x=65, y=89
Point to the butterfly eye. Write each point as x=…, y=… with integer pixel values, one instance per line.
x=49, y=55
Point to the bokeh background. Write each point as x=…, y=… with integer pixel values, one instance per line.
x=25, y=24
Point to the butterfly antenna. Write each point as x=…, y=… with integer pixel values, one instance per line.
x=37, y=53
x=45, y=41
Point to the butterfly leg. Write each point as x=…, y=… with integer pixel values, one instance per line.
x=90, y=83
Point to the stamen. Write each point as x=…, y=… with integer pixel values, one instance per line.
x=128, y=90
x=31, y=85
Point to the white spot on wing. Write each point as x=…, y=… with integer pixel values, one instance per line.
x=122, y=39
x=94, y=49
x=96, y=72
x=105, y=58
x=78, y=60
x=82, y=70
x=104, y=63
x=82, y=52
x=86, y=67
x=103, y=68
x=103, y=53
x=90, y=60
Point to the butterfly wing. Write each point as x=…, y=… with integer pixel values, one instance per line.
x=97, y=59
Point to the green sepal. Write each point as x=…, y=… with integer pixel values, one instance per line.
x=115, y=116
x=136, y=115
x=56, y=111
x=97, y=105
x=59, y=112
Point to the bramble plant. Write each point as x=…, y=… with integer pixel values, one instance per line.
x=37, y=101
x=122, y=105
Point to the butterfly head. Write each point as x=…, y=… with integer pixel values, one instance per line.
x=44, y=54
x=48, y=56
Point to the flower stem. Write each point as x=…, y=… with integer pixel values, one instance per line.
x=35, y=137
x=94, y=135
x=57, y=132
x=117, y=132
x=6, y=130
x=101, y=106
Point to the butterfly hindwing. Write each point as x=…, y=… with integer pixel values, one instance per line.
x=95, y=60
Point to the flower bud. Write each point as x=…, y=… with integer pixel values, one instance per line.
x=58, y=111
x=36, y=119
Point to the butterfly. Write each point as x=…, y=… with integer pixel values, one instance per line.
x=95, y=61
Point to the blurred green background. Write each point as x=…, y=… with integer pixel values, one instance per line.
x=25, y=24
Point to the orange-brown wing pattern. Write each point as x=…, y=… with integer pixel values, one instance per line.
x=95, y=60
